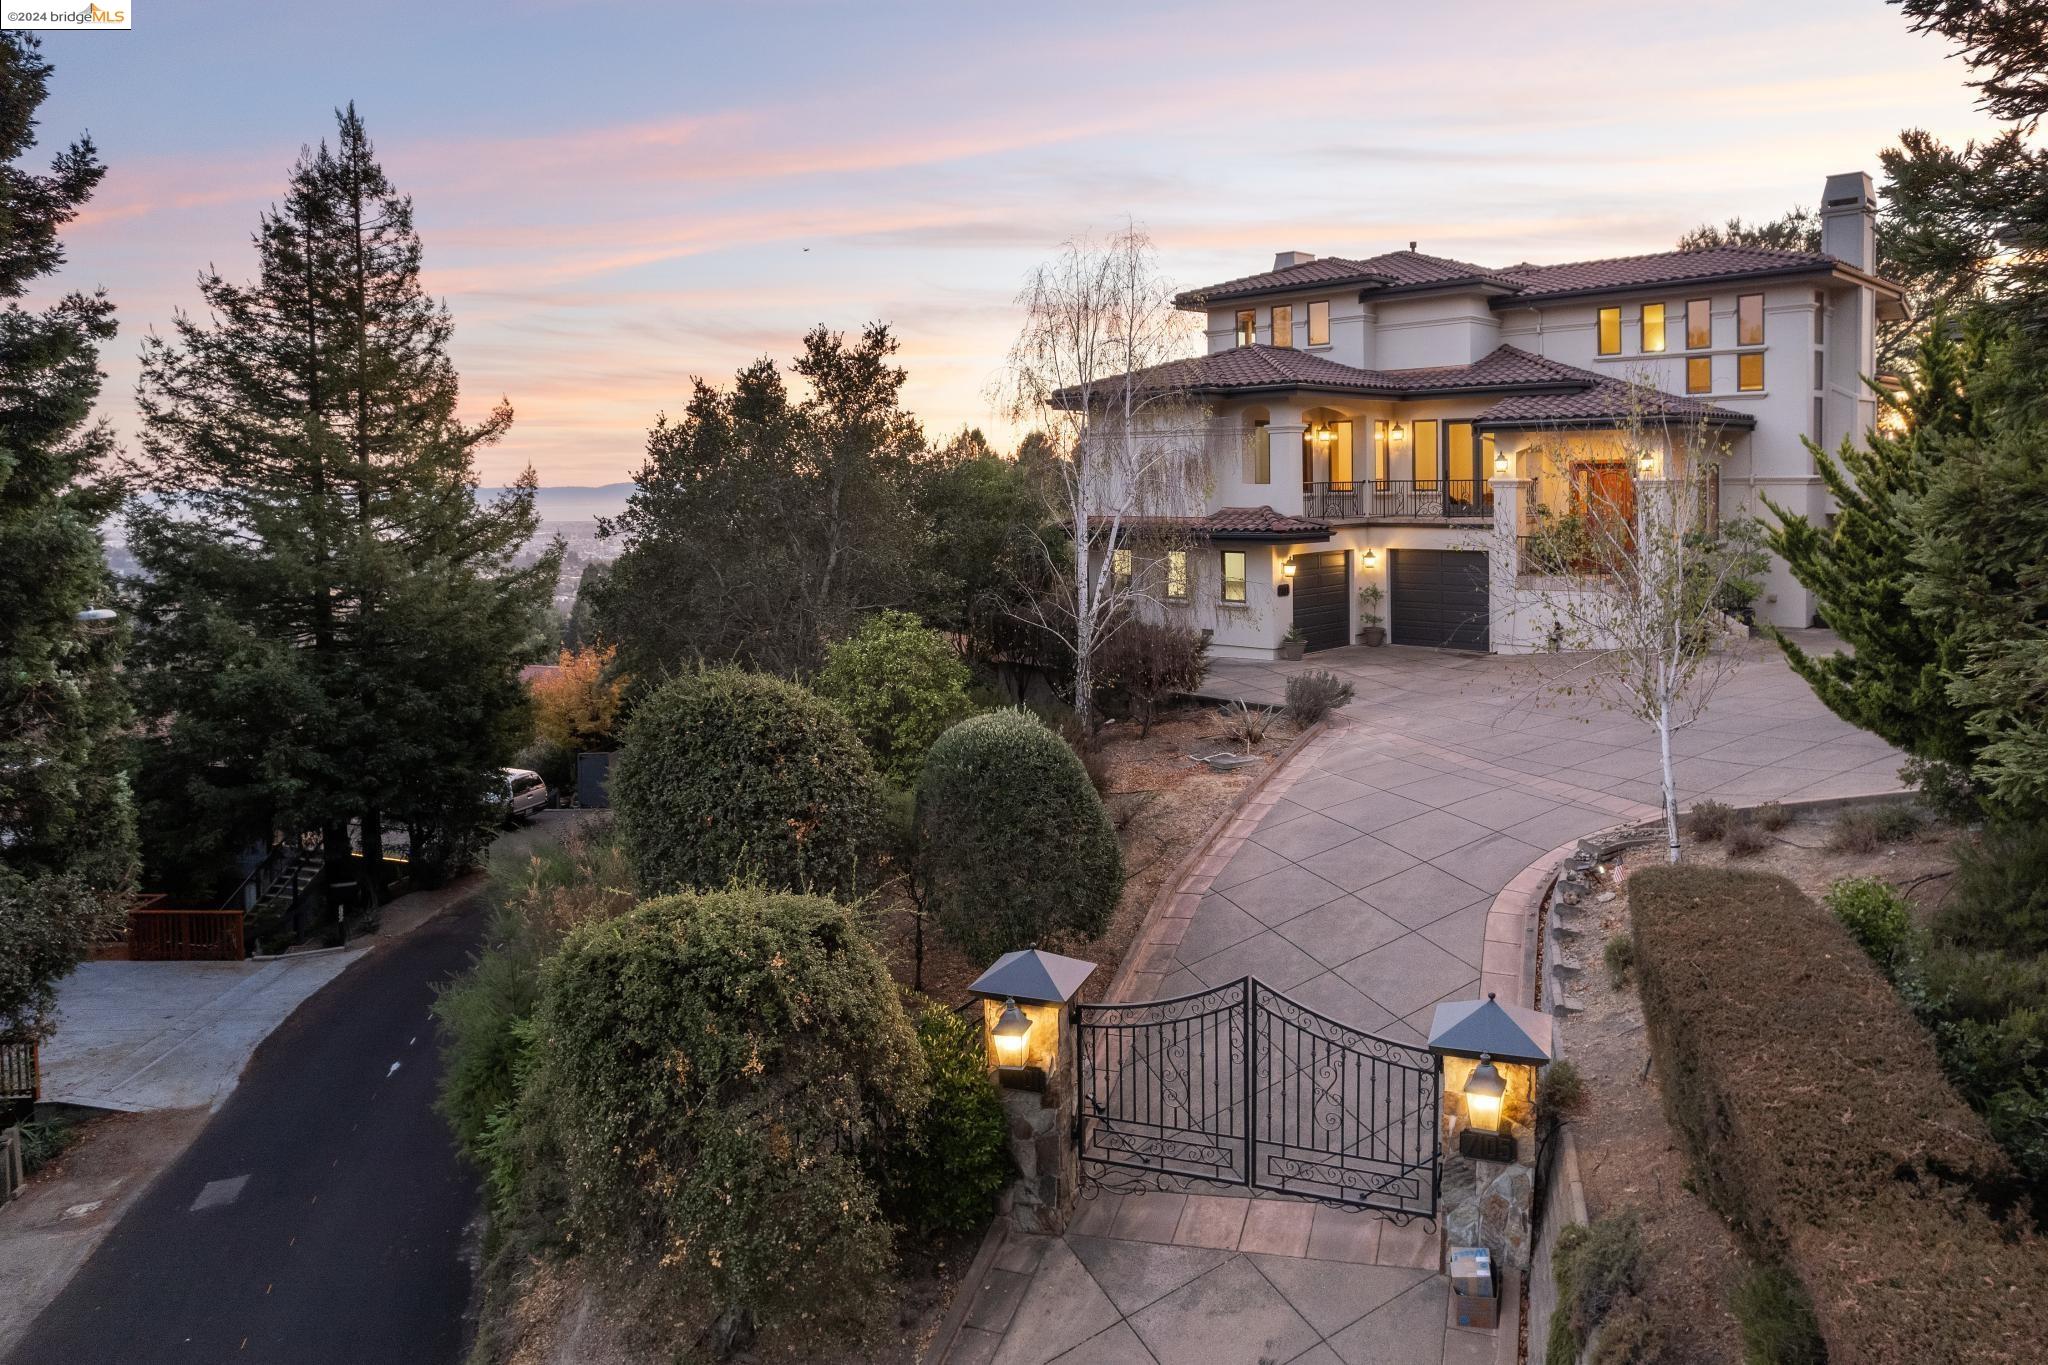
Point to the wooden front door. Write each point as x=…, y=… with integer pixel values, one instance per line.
x=1605, y=495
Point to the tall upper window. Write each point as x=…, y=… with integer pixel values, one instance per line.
x=1699, y=374
x=1247, y=326
x=1699, y=324
x=1749, y=371
x=1120, y=566
x=1258, y=455
x=1749, y=320
x=1653, y=327
x=1319, y=323
x=1283, y=324
x=1233, y=576
x=1423, y=447
x=1380, y=469
x=1176, y=575
x=1610, y=331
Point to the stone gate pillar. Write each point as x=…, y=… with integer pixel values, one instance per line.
x=1028, y=1030
x=1491, y=1054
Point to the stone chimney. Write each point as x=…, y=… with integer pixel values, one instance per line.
x=1283, y=259
x=1848, y=220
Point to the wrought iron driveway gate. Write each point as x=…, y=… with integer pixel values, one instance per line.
x=1242, y=1086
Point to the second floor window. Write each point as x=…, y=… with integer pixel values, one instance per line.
x=1699, y=324
x=1120, y=567
x=1319, y=323
x=1749, y=320
x=1233, y=576
x=1610, y=331
x=1749, y=371
x=1176, y=575
x=1699, y=374
x=1653, y=327
x=1283, y=324
x=1258, y=455
x=1247, y=326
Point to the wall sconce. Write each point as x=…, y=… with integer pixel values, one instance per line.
x=1287, y=568
x=1399, y=432
x=1647, y=464
x=1323, y=435
x=1483, y=1094
x=1500, y=464
x=1369, y=557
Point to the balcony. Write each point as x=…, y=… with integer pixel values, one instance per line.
x=1398, y=500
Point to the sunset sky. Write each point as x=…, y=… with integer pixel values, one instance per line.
x=615, y=197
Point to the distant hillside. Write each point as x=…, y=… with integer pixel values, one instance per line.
x=576, y=503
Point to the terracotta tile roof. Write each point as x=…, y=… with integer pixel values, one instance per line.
x=1415, y=270
x=1267, y=367
x=1605, y=400
x=1227, y=523
x=1663, y=267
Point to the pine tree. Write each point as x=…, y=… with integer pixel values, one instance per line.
x=67, y=841
x=1895, y=684
x=331, y=623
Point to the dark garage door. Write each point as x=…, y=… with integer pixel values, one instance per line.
x=1439, y=598
x=1322, y=599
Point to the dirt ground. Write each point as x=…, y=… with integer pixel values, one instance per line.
x=1161, y=801
x=1628, y=1155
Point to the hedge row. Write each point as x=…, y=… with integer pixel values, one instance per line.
x=1820, y=1124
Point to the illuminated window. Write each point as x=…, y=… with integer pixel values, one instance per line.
x=1340, y=457
x=1749, y=320
x=1176, y=575
x=1699, y=374
x=1749, y=371
x=1247, y=326
x=1610, y=331
x=1380, y=470
x=1319, y=323
x=1653, y=327
x=1283, y=324
x=1233, y=576
x=1699, y=324
x=1120, y=567
x=1258, y=455
x=1425, y=454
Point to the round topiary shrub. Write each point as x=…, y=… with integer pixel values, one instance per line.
x=727, y=775
x=1014, y=845
x=721, y=1074
x=901, y=685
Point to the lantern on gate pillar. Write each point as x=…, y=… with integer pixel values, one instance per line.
x=1024, y=1013
x=1491, y=1055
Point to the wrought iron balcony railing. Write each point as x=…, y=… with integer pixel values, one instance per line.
x=1393, y=499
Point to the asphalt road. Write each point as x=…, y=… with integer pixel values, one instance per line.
x=319, y=1217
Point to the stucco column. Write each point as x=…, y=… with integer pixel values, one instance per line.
x=1284, y=442
x=1504, y=565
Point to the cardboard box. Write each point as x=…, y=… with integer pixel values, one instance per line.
x=1475, y=1299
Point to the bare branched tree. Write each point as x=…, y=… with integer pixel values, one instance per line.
x=1103, y=367
x=1634, y=575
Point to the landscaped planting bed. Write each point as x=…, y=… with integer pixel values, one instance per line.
x=1819, y=1123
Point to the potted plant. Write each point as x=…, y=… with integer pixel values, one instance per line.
x=1293, y=644
x=1370, y=631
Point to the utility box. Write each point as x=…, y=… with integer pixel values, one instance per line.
x=1474, y=1296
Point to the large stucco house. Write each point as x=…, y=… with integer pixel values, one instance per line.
x=1403, y=418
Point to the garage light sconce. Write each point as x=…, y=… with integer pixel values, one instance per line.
x=1369, y=557
x=1287, y=568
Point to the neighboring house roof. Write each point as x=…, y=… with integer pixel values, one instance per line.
x=1405, y=270
x=1228, y=523
x=530, y=674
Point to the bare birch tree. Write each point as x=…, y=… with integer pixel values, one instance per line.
x=1634, y=577
x=1103, y=367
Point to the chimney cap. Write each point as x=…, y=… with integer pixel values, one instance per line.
x=1283, y=259
x=1852, y=190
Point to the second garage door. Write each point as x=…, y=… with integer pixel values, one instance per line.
x=1439, y=598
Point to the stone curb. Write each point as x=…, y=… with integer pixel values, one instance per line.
x=1175, y=900
x=992, y=1243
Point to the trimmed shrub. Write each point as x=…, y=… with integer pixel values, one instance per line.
x=721, y=1072
x=1777, y=1321
x=2000, y=897
x=901, y=685
x=1014, y=846
x=1315, y=694
x=1866, y=829
x=1147, y=663
x=947, y=1178
x=1818, y=1122
x=1599, y=1269
x=1710, y=820
x=1877, y=917
x=728, y=775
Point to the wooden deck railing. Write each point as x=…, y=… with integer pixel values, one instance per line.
x=161, y=935
x=21, y=1075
